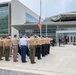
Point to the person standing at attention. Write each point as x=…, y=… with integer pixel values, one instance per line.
x=7, y=45
x=15, y=42
x=23, y=45
x=1, y=48
x=31, y=46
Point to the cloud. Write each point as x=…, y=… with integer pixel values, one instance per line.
x=4, y=0
x=66, y=4
x=49, y=7
x=71, y=6
x=55, y=7
x=34, y=5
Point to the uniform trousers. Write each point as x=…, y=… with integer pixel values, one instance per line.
x=32, y=53
x=48, y=49
x=1, y=52
x=23, y=53
x=39, y=51
x=10, y=51
x=27, y=52
x=15, y=52
x=19, y=50
x=36, y=50
x=43, y=50
x=7, y=53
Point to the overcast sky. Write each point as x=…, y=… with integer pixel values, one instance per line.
x=50, y=7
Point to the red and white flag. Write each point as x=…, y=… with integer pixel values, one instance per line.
x=39, y=23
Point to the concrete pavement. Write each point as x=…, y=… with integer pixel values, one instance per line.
x=60, y=61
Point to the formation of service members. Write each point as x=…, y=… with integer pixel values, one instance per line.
x=35, y=46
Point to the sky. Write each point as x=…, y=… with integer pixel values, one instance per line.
x=49, y=7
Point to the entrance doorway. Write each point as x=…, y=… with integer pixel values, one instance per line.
x=68, y=35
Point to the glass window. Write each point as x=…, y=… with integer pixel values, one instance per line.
x=30, y=18
x=4, y=20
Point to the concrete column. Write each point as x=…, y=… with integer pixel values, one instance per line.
x=14, y=31
x=75, y=38
x=72, y=39
x=57, y=38
x=69, y=39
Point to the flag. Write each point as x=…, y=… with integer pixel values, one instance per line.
x=39, y=23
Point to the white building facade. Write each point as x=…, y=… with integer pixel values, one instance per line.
x=14, y=13
x=16, y=18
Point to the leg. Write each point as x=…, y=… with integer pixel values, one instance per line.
x=15, y=52
x=32, y=54
x=0, y=53
x=23, y=53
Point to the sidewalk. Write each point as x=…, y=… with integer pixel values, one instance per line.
x=60, y=61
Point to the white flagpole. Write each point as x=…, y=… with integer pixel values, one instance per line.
x=46, y=26
x=40, y=17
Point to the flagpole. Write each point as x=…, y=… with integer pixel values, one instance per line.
x=46, y=26
x=40, y=17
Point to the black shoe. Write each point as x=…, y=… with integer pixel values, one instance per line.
x=8, y=60
x=15, y=60
x=24, y=62
x=1, y=59
x=39, y=58
x=33, y=63
x=10, y=56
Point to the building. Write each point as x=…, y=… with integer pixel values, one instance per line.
x=65, y=26
x=15, y=13
x=5, y=19
x=16, y=18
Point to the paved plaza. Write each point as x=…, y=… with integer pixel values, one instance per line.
x=60, y=61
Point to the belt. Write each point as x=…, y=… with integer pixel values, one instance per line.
x=15, y=45
x=23, y=45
